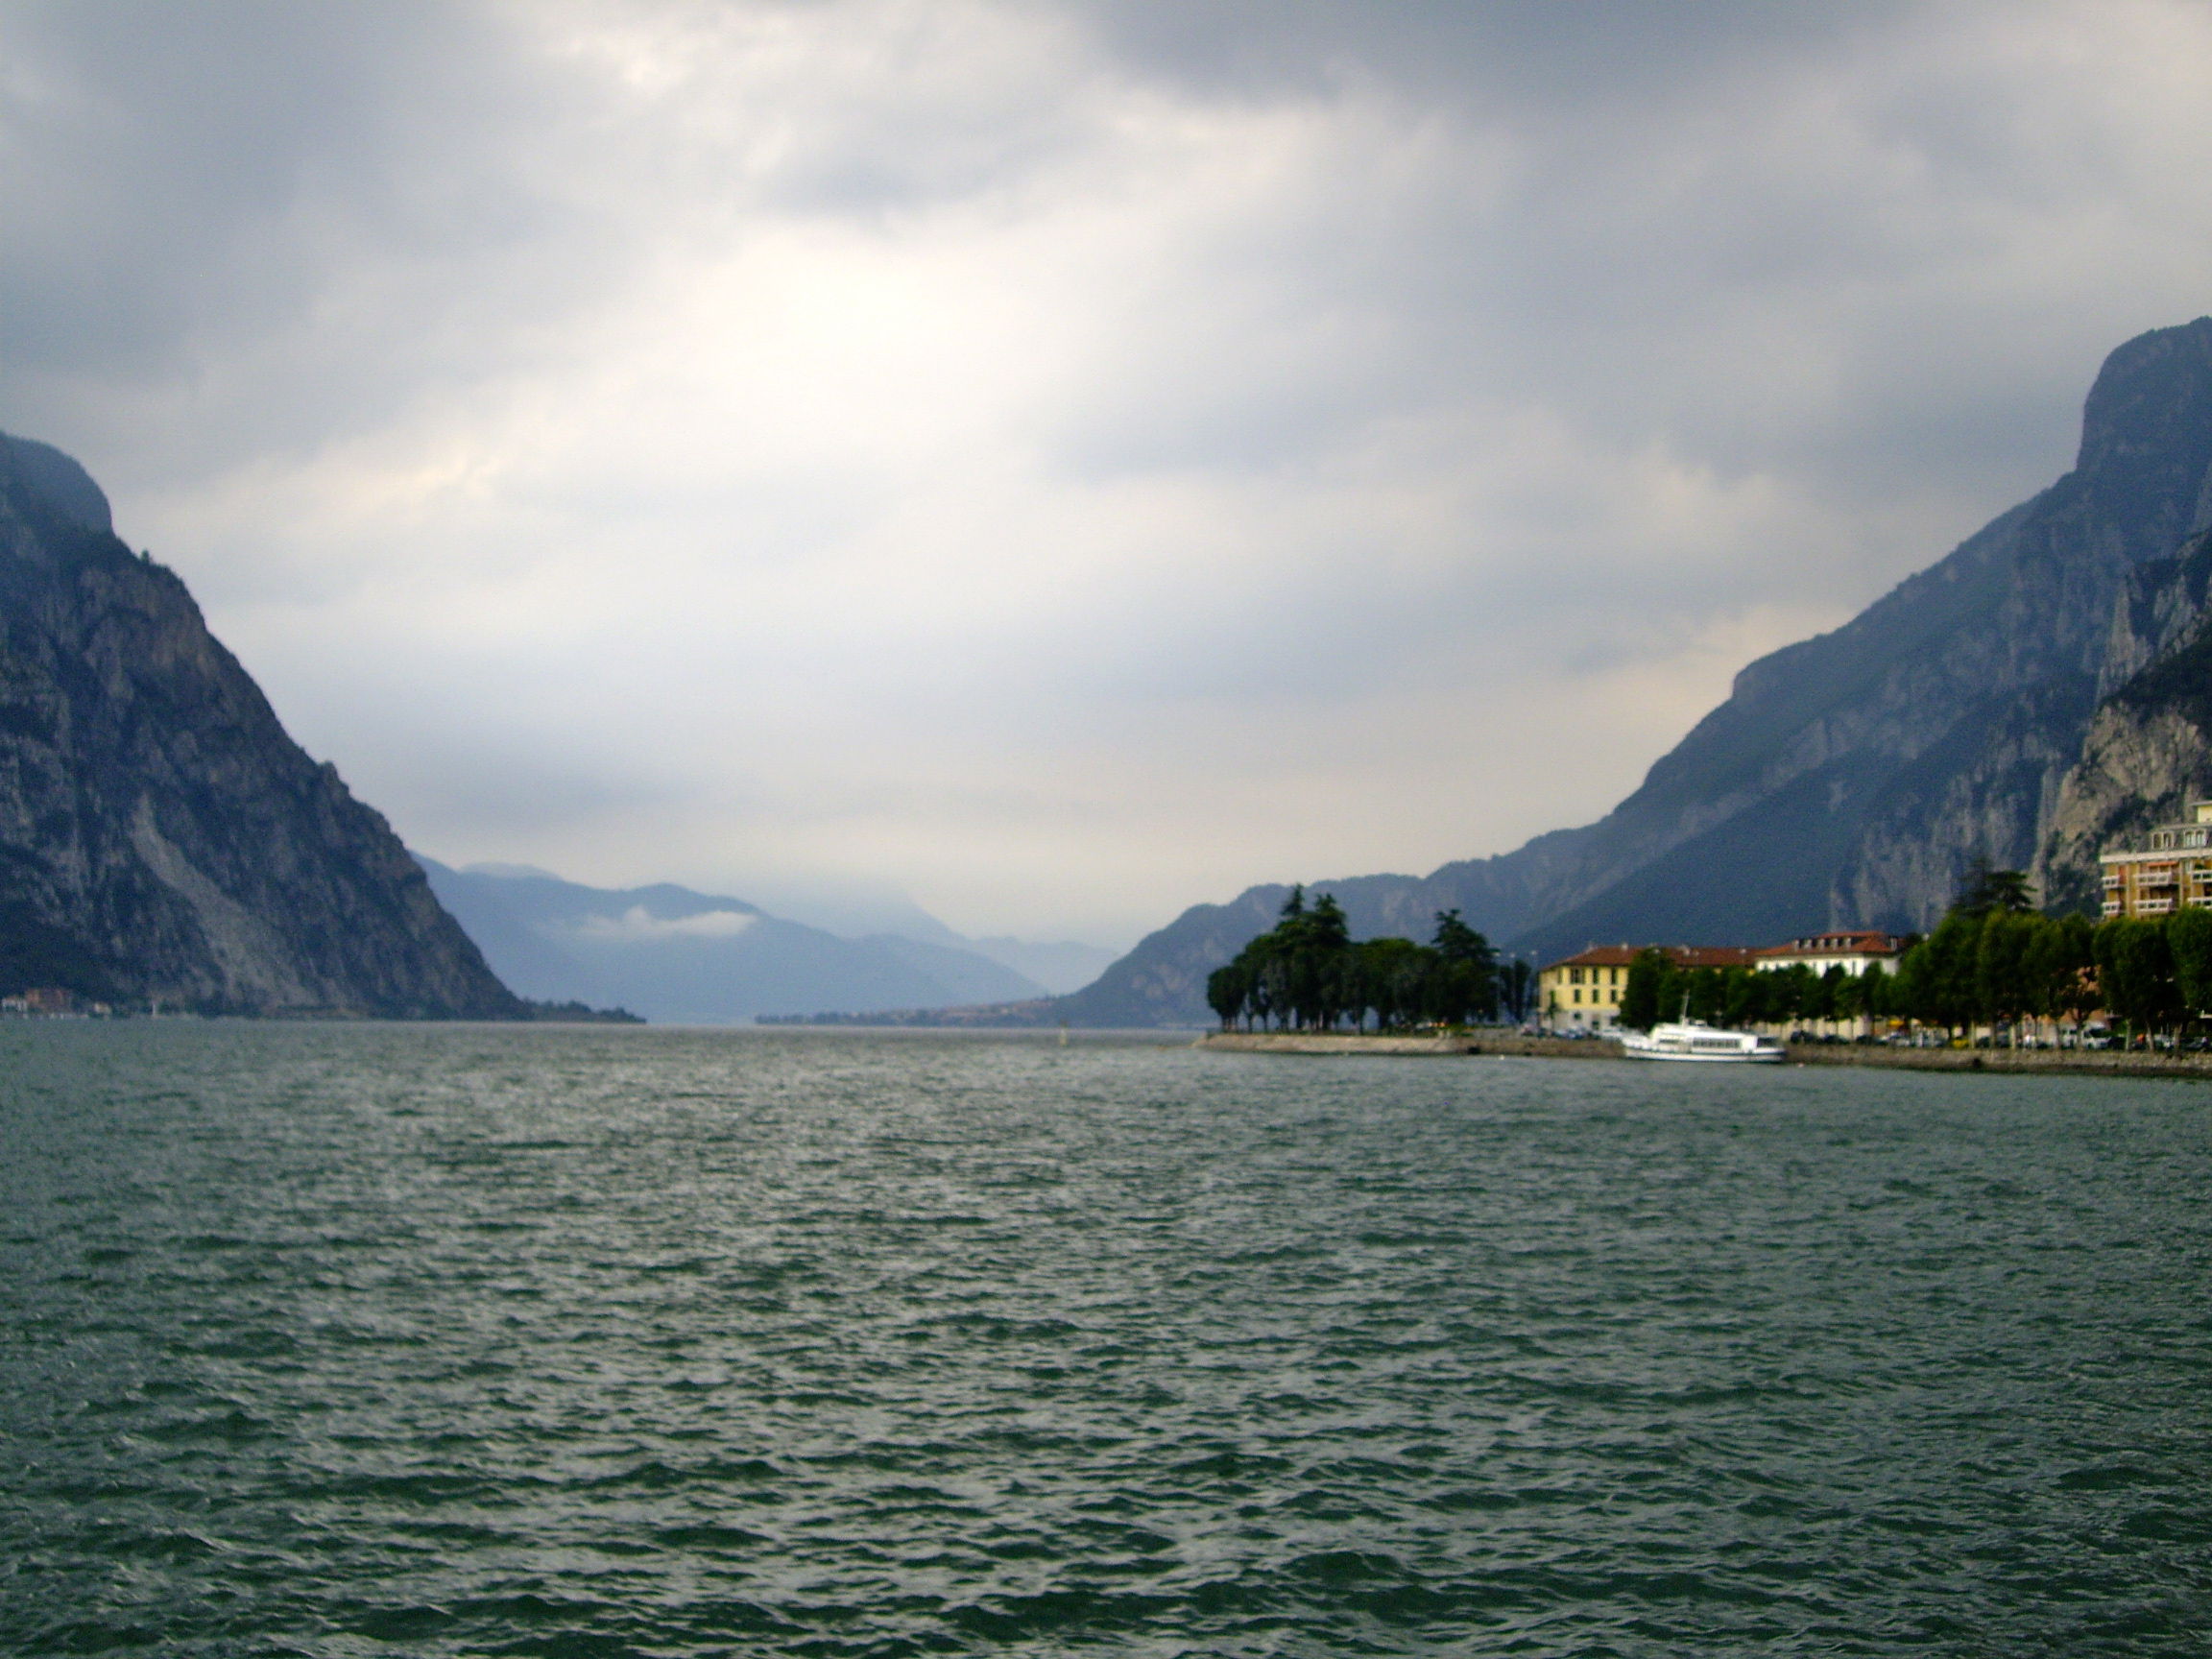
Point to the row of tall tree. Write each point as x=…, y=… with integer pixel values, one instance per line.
x=1994, y=961
x=1658, y=989
x=1308, y=973
x=2149, y=974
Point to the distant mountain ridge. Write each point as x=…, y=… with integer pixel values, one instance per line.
x=161, y=838
x=1849, y=779
x=696, y=958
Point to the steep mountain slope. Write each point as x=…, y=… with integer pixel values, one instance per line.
x=1059, y=966
x=693, y=958
x=1849, y=779
x=2148, y=747
x=968, y=974
x=161, y=837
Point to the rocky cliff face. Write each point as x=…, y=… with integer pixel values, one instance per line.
x=1849, y=780
x=2148, y=747
x=161, y=837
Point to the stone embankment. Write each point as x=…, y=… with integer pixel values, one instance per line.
x=2069, y=1062
x=1346, y=1043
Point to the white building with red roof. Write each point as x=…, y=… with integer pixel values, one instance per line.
x=1854, y=952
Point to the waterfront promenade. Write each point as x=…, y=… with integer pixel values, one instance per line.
x=2073, y=1062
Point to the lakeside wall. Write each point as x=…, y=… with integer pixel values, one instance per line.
x=1346, y=1043
x=2071, y=1062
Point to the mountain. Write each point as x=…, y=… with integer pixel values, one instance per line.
x=863, y=910
x=1059, y=967
x=161, y=837
x=693, y=958
x=2149, y=748
x=981, y=978
x=1849, y=780
x=849, y=908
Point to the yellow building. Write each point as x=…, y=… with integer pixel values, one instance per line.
x=1584, y=991
x=2175, y=871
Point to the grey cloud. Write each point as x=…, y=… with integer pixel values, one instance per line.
x=1555, y=342
x=190, y=188
x=153, y=150
x=1538, y=55
x=1671, y=257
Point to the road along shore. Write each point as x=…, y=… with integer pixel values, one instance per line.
x=2069, y=1062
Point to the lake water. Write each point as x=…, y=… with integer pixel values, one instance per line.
x=384, y=1340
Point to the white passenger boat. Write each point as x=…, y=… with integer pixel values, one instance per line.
x=1695, y=1039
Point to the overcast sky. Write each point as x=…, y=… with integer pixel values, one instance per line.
x=1065, y=461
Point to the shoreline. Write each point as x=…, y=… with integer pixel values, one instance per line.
x=2046, y=1062
x=1467, y=1043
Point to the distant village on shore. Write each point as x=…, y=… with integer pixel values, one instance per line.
x=1995, y=969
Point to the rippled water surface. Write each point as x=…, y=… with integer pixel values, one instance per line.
x=385, y=1340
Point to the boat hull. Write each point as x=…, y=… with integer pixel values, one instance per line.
x=1756, y=1057
x=1699, y=1044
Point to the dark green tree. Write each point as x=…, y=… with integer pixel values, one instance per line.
x=1329, y=975
x=1259, y=987
x=1935, y=977
x=1851, y=996
x=1464, y=986
x=1708, y=989
x=1987, y=888
x=1874, y=998
x=1393, y=980
x=2004, y=988
x=1641, y=1008
x=2189, y=938
x=1750, y=996
x=1227, y=989
x=1827, y=996
x=2135, y=971
x=1794, y=994
x=1304, y=972
x=2062, y=964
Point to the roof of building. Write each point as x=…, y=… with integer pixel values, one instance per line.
x=2199, y=813
x=1856, y=943
x=1681, y=956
